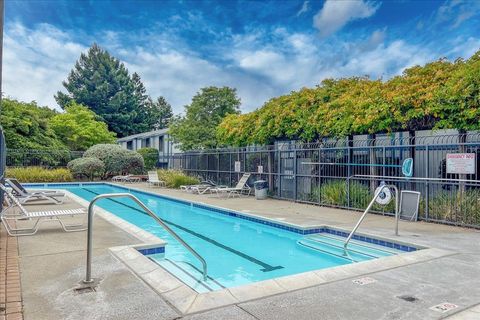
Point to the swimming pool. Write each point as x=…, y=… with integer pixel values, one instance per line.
x=238, y=249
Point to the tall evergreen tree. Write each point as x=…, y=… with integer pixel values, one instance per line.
x=102, y=83
x=143, y=113
x=161, y=112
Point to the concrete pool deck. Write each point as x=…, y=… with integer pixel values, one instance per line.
x=52, y=263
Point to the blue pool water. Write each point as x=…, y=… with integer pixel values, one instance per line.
x=237, y=251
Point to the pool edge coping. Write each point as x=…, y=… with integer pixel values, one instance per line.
x=187, y=301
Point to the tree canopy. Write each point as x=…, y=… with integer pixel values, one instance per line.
x=102, y=83
x=26, y=126
x=197, y=129
x=161, y=113
x=79, y=129
x=438, y=95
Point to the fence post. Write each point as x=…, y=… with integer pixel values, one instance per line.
x=279, y=176
x=349, y=167
x=371, y=142
x=295, y=173
x=218, y=167
x=427, y=185
x=384, y=155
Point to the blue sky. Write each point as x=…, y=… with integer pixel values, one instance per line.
x=262, y=48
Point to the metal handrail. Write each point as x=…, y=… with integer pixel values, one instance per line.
x=88, y=275
x=368, y=209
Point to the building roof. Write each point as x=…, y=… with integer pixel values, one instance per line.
x=143, y=135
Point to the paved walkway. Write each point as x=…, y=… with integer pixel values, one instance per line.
x=52, y=263
x=10, y=289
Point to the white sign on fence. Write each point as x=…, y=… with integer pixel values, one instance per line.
x=461, y=163
x=238, y=166
x=260, y=169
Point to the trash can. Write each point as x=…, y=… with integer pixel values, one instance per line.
x=261, y=189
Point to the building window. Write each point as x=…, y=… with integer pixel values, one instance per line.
x=129, y=145
x=147, y=143
x=160, y=144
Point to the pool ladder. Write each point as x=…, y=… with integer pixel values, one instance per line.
x=88, y=276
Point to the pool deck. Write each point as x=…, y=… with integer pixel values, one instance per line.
x=53, y=262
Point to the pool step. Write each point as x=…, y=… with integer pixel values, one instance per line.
x=333, y=250
x=358, y=245
x=190, y=275
x=333, y=245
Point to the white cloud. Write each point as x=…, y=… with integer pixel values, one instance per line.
x=304, y=9
x=261, y=64
x=336, y=14
x=386, y=61
x=456, y=12
x=36, y=62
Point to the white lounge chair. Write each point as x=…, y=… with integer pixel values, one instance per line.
x=154, y=180
x=10, y=215
x=241, y=187
x=128, y=178
x=24, y=196
x=200, y=188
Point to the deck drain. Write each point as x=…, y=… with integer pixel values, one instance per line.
x=84, y=290
x=408, y=298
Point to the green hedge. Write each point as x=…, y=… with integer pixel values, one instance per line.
x=88, y=167
x=38, y=174
x=117, y=160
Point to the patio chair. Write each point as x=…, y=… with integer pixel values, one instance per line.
x=206, y=184
x=119, y=178
x=10, y=219
x=154, y=180
x=127, y=178
x=24, y=196
x=241, y=187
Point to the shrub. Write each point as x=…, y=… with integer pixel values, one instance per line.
x=39, y=174
x=335, y=193
x=150, y=157
x=87, y=167
x=176, y=178
x=116, y=159
x=454, y=206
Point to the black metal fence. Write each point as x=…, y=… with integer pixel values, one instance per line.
x=40, y=158
x=328, y=172
x=335, y=172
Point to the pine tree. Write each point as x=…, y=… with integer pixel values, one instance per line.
x=102, y=83
x=162, y=113
x=143, y=115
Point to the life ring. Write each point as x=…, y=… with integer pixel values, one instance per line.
x=385, y=195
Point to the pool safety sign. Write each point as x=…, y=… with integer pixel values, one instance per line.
x=461, y=163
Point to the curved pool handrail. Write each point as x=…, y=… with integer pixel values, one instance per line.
x=88, y=275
